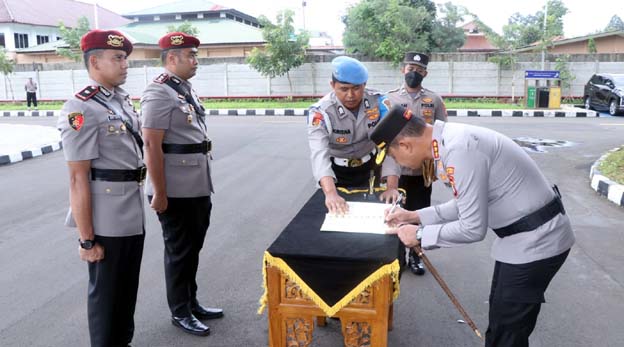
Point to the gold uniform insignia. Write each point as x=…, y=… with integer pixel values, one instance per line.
x=115, y=41
x=177, y=40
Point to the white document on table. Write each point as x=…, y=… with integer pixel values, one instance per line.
x=363, y=217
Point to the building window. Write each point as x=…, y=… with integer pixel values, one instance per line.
x=21, y=40
x=2, y=40
x=41, y=39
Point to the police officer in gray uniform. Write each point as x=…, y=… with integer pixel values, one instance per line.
x=179, y=177
x=428, y=105
x=339, y=126
x=102, y=146
x=495, y=185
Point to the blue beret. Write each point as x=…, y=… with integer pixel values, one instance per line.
x=349, y=70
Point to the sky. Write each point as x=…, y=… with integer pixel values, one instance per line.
x=584, y=17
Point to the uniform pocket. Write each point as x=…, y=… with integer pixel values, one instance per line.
x=107, y=188
x=182, y=162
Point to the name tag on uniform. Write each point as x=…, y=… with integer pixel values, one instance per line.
x=113, y=117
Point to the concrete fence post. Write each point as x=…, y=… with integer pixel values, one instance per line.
x=451, y=67
x=225, y=76
x=313, y=73
x=145, y=75
x=498, y=79
x=269, y=86
x=73, y=81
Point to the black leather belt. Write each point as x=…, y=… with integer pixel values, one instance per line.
x=175, y=148
x=112, y=175
x=535, y=219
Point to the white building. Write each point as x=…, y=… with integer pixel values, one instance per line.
x=28, y=23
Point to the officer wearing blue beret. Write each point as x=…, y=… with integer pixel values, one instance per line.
x=339, y=127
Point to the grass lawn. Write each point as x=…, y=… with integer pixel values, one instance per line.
x=613, y=166
x=273, y=104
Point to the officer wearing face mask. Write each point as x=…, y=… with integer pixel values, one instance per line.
x=428, y=105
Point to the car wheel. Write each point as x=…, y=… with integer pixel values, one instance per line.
x=588, y=103
x=613, y=107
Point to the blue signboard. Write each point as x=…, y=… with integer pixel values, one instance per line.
x=545, y=74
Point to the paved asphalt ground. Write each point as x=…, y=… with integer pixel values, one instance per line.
x=263, y=177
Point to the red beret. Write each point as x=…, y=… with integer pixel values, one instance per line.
x=178, y=40
x=105, y=39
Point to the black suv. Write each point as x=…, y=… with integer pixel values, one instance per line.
x=605, y=92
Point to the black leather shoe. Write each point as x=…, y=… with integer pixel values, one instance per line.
x=415, y=264
x=191, y=325
x=202, y=312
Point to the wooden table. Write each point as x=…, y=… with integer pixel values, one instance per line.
x=365, y=321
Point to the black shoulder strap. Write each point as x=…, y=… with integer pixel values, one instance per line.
x=174, y=83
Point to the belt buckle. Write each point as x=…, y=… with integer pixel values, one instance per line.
x=142, y=174
x=354, y=162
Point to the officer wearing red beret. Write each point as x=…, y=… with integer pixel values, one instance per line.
x=179, y=176
x=103, y=148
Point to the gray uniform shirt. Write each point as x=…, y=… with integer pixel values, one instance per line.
x=425, y=104
x=101, y=137
x=30, y=87
x=186, y=175
x=334, y=131
x=495, y=183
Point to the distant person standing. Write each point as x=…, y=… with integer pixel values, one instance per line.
x=31, y=92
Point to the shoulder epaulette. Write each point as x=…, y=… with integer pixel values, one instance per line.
x=162, y=78
x=393, y=90
x=87, y=93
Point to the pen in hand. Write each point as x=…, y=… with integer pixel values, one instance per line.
x=395, y=204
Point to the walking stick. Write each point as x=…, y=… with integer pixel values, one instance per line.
x=448, y=292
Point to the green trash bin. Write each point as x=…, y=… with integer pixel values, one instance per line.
x=531, y=97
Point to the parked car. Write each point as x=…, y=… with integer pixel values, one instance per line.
x=605, y=92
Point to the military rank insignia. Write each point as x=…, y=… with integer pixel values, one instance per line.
x=436, y=149
x=162, y=78
x=450, y=171
x=427, y=100
x=76, y=120
x=366, y=104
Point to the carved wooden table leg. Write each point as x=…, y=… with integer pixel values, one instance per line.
x=356, y=334
x=321, y=321
x=276, y=333
x=299, y=332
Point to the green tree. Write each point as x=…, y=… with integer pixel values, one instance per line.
x=615, y=23
x=526, y=30
x=386, y=29
x=72, y=37
x=6, y=67
x=565, y=75
x=447, y=36
x=284, y=50
x=591, y=46
x=186, y=27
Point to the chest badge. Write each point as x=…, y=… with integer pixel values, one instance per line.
x=189, y=118
x=341, y=139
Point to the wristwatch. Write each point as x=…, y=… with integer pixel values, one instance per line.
x=86, y=244
x=419, y=233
